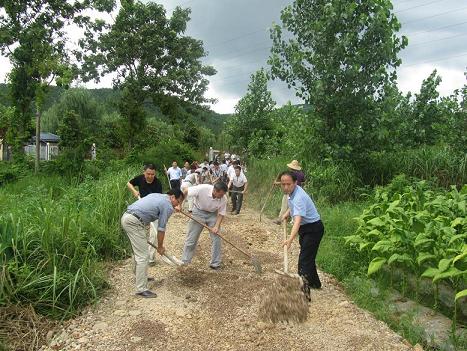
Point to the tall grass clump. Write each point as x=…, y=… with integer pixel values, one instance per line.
x=53, y=242
x=441, y=164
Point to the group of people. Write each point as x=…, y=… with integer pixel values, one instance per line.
x=205, y=186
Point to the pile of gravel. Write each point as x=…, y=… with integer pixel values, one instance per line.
x=284, y=302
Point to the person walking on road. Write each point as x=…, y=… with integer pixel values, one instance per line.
x=238, y=184
x=135, y=221
x=309, y=227
x=175, y=175
x=147, y=183
x=209, y=207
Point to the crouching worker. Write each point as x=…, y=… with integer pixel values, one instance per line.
x=135, y=222
x=307, y=224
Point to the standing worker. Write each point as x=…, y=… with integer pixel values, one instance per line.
x=307, y=224
x=135, y=221
x=209, y=207
x=147, y=183
x=295, y=168
x=175, y=174
x=238, y=184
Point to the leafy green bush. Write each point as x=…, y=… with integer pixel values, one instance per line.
x=10, y=172
x=420, y=230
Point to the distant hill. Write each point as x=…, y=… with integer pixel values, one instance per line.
x=109, y=98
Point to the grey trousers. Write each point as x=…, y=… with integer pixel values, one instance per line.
x=137, y=233
x=152, y=238
x=237, y=199
x=194, y=230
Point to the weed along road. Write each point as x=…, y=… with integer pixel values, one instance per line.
x=202, y=309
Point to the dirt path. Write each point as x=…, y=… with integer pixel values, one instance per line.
x=218, y=310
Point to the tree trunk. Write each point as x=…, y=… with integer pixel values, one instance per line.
x=38, y=141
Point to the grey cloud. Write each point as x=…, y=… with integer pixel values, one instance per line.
x=235, y=33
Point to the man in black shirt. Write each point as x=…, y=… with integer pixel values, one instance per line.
x=147, y=183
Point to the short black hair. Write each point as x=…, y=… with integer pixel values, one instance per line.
x=238, y=167
x=149, y=166
x=177, y=193
x=216, y=163
x=220, y=186
x=290, y=174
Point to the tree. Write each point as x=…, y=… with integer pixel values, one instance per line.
x=339, y=58
x=33, y=38
x=251, y=124
x=150, y=55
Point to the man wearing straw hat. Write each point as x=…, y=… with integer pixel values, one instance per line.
x=295, y=168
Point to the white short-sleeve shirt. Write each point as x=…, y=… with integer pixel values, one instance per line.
x=239, y=181
x=203, y=200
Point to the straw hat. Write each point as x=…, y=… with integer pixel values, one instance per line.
x=294, y=165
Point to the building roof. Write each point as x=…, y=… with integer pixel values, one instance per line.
x=48, y=138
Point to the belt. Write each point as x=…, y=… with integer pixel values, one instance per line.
x=136, y=216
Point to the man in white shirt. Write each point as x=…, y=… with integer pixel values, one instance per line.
x=209, y=207
x=238, y=184
x=175, y=174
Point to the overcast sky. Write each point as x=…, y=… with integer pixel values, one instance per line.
x=235, y=34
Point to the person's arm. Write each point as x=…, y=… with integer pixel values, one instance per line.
x=217, y=226
x=297, y=220
x=246, y=188
x=160, y=242
x=133, y=190
x=229, y=184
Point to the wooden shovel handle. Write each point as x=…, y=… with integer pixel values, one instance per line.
x=286, y=256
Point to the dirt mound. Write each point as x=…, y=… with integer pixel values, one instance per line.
x=284, y=302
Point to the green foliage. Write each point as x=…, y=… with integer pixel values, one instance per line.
x=164, y=153
x=33, y=38
x=421, y=230
x=441, y=164
x=339, y=59
x=82, y=103
x=251, y=126
x=50, y=254
x=150, y=51
x=10, y=172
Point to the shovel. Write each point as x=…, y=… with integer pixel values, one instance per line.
x=169, y=259
x=254, y=261
x=285, y=272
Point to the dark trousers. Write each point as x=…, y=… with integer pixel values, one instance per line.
x=237, y=199
x=310, y=236
x=175, y=184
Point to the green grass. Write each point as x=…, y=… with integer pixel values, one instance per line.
x=55, y=238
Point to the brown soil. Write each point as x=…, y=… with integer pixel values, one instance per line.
x=201, y=309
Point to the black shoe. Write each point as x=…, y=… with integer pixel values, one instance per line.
x=214, y=267
x=151, y=279
x=147, y=294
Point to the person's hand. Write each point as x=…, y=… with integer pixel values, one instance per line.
x=214, y=229
x=177, y=208
x=161, y=250
x=287, y=243
x=137, y=195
